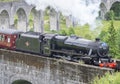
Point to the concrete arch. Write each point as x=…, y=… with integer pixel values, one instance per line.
x=22, y=20
x=103, y=10
x=21, y=82
x=4, y=19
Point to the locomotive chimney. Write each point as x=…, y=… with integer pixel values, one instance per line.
x=97, y=39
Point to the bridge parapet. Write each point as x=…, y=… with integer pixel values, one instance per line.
x=43, y=70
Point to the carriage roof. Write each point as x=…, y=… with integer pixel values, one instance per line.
x=9, y=31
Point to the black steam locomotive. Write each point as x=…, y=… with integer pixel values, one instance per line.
x=54, y=45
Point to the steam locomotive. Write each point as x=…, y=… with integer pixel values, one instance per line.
x=54, y=45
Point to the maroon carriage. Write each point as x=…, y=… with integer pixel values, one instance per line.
x=8, y=38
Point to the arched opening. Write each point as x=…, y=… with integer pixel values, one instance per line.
x=35, y=21
x=20, y=20
x=64, y=25
x=54, y=20
x=31, y=20
x=4, y=19
x=47, y=20
x=62, y=21
x=102, y=11
x=21, y=82
x=116, y=9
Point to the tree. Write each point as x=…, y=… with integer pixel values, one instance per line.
x=112, y=40
x=118, y=41
x=103, y=35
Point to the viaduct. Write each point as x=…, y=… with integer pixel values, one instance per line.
x=19, y=9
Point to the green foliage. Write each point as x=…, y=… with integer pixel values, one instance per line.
x=32, y=29
x=116, y=9
x=53, y=31
x=108, y=79
x=118, y=42
x=63, y=32
x=103, y=35
x=88, y=36
x=110, y=15
x=112, y=40
x=110, y=36
x=71, y=31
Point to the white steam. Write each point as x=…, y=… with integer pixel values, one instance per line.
x=82, y=11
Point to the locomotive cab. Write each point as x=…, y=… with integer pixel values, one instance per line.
x=47, y=44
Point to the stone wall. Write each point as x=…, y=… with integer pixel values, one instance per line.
x=49, y=70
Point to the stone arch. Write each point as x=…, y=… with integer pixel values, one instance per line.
x=116, y=8
x=21, y=78
x=4, y=19
x=103, y=10
x=36, y=17
x=69, y=21
x=21, y=82
x=111, y=3
x=31, y=20
x=21, y=22
x=47, y=19
x=54, y=20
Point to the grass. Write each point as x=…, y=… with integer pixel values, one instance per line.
x=108, y=79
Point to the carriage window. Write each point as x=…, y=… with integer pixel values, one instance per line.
x=3, y=37
x=0, y=37
x=8, y=40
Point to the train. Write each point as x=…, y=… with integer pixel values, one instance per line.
x=72, y=48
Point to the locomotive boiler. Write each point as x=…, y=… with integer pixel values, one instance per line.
x=81, y=46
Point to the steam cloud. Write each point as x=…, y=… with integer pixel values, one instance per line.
x=82, y=11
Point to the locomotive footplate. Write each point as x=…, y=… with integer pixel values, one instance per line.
x=71, y=55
